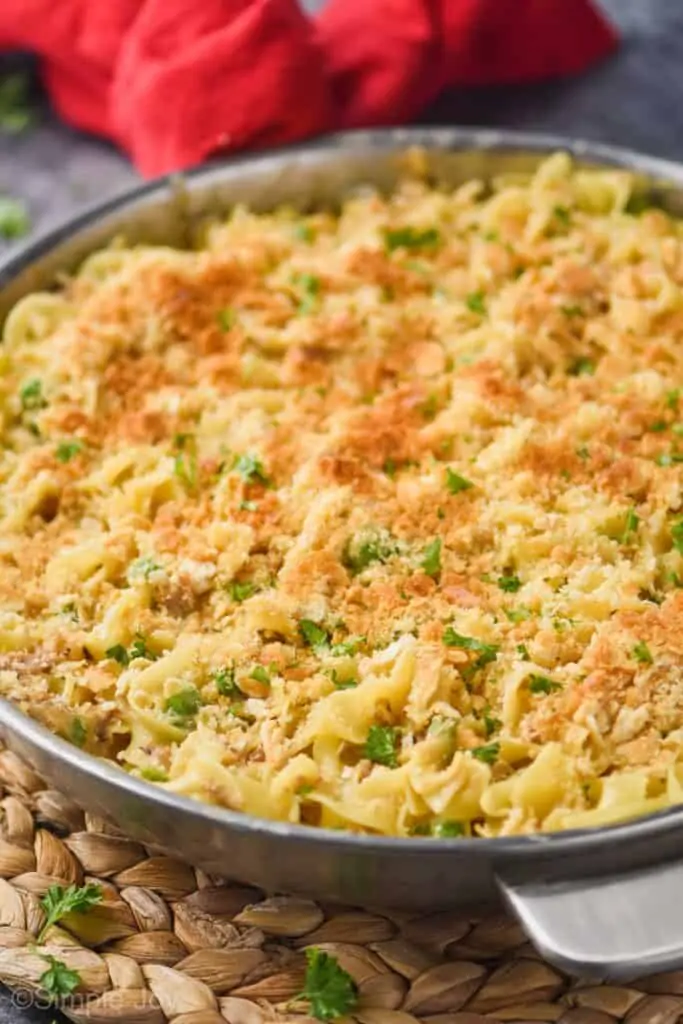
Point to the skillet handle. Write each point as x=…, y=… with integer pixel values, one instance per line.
x=614, y=927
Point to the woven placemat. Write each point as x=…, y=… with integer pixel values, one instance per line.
x=169, y=943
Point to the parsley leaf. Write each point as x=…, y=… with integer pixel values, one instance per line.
x=630, y=526
x=348, y=646
x=542, y=684
x=152, y=774
x=310, y=286
x=562, y=214
x=67, y=450
x=118, y=653
x=142, y=568
x=476, y=303
x=491, y=724
x=581, y=367
x=329, y=989
x=31, y=395
x=250, y=468
x=509, y=584
x=381, y=744
x=304, y=232
x=240, y=591
x=677, y=535
x=184, y=704
x=313, y=635
x=14, y=220
x=139, y=649
x=456, y=483
x=448, y=829
x=225, y=681
x=58, y=902
x=642, y=653
x=488, y=753
x=487, y=652
x=411, y=238
x=260, y=674
x=16, y=113
x=431, y=558
x=523, y=652
x=78, y=732
x=367, y=547
x=58, y=980
x=226, y=318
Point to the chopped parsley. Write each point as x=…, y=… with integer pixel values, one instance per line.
x=260, y=674
x=476, y=303
x=58, y=980
x=456, y=483
x=139, y=649
x=310, y=287
x=348, y=646
x=517, y=614
x=389, y=467
x=562, y=214
x=488, y=754
x=571, y=311
x=542, y=684
x=329, y=989
x=411, y=238
x=226, y=318
x=381, y=745
x=31, y=395
x=431, y=558
x=630, y=526
x=583, y=452
x=673, y=398
x=677, y=535
x=523, y=652
x=669, y=458
x=491, y=724
x=142, y=568
x=185, y=465
x=304, y=232
x=68, y=450
x=642, y=653
x=367, y=547
x=509, y=584
x=581, y=367
x=118, y=653
x=248, y=506
x=78, y=732
x=153, y=774
x=59, y=901
x=14, y=219
x=658, y=427
x=430, y=407
x=448, y=829
x=226, y=684
x=184, y=704
x=486, y=652
x=313, y=635
x=240, y=591
x=16, y=112
x=251, y=469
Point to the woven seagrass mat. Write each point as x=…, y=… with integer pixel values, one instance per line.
x=169, y=943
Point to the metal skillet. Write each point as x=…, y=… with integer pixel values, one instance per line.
x=601, y=902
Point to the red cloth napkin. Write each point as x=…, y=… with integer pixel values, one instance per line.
x=174, y=81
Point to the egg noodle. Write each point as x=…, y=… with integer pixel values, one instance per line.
x=368, y=520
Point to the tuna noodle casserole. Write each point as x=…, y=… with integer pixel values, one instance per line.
x=370, y=520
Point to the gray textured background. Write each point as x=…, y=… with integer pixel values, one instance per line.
x=634, y=99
